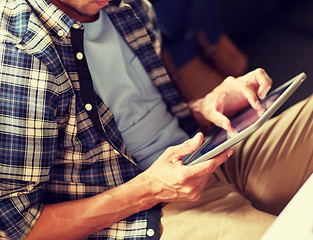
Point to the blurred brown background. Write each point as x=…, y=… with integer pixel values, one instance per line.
x=276, y=35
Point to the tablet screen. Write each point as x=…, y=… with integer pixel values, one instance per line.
x=240, y=122
x=245, y=122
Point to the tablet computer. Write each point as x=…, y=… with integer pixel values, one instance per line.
x=245, y=122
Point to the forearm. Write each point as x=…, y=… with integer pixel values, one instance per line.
x=166, y=180
x=80, y=218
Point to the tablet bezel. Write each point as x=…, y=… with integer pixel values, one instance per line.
x=294, y=83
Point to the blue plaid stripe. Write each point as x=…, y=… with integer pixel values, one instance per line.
x=50, y=150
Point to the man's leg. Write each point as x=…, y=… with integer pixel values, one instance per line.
x=271, y=165
x=221, y=213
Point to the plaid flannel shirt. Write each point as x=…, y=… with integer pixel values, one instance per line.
x=50, y=148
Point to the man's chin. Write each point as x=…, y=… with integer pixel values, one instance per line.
x=102, y=3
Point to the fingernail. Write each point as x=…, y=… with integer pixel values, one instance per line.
x=257, y=104
x=230, y=152
x=225, y=125
x=263, y=94
x=232, y=133
x=260, y=112
x=196, y=135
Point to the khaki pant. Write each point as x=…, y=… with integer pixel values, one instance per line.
x=243, y=197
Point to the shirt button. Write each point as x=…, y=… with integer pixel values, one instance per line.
x=75, y=25
x=60, y=33
x=88, y=107
x=150, y=232
x=79, y=56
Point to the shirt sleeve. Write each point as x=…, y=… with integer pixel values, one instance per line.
x=28, y=134
x=20, y=207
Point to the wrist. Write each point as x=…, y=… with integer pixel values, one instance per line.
x=145, y=191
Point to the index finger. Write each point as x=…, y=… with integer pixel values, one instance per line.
x=264, y=81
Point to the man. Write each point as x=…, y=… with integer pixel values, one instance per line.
x=70, y=169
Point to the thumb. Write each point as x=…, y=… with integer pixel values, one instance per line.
x=190, y=145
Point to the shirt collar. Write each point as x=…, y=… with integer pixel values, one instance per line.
x=53, y=19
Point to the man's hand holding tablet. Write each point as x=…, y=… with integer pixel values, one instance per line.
x=236, y=94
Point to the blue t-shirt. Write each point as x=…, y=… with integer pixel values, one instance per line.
x=123, y=84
